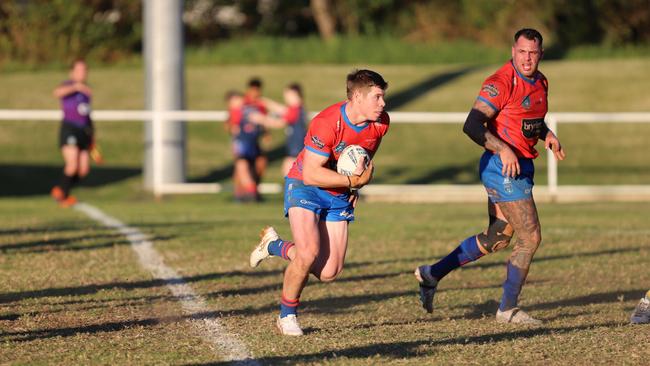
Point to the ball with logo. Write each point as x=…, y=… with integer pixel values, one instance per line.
x=349, y=159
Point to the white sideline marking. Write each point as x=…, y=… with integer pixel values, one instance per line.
x=229, y=346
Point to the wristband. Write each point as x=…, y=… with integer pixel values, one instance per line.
x=349, y=181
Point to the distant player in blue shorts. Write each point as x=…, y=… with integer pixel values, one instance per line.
x=291, y=116
x=245, y=146
x=253, y=99
x=319, y=201
x=76, y=132
x=512, y=103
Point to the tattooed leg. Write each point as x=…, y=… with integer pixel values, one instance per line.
x=522, y=216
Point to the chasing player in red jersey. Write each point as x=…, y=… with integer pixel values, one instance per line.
x=513, y=103
x=318, y=201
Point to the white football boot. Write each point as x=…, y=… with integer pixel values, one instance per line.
x=289, y=325
x=261, y=251
x=516, y=316
x=641, y=314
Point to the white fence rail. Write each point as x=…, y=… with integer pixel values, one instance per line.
x=551, y=192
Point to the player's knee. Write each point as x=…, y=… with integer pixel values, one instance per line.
x=70, y=169
x=536, y=238
x=306, y=258
x=329, y=275
x=497, y=236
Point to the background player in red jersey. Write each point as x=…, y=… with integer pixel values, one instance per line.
x=291, y=116
x=245, y=146
x=512, y=103
x=319, y=201
x=253, y=99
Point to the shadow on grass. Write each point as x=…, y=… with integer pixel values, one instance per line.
x=30, y=180
x=401, y=98
x=30, y=335
x=44, y=229
x=597, y=298
x=451, y=174
x=558, y=257
x=419, y=348
x=92, y=289
x=55, y=243
x=223, y=173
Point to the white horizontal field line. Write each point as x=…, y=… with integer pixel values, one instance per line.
x=219, y=116
x=229, y=346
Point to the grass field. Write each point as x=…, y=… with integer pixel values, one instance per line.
x=73, y=291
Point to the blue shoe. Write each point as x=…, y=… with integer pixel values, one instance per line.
x=428, y=285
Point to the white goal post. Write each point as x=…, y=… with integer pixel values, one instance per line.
x=419, y=193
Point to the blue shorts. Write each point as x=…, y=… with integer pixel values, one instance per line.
x=327, y=206
x=504, y=189
x=244, y=149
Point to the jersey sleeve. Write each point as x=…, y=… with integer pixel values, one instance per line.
x=320, y=137
x=234, y=116
x=495, y=92
x=292, y=115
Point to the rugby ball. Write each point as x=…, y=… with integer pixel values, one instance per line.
x=349, y=159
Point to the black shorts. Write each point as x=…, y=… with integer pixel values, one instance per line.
x=71, y=134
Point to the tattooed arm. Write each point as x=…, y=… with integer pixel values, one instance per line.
x=475, y=128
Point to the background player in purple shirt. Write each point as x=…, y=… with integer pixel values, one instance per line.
x=76, y=133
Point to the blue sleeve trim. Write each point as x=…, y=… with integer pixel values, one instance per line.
x=321, y=153
x=484, y=100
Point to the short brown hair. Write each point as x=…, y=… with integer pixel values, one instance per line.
x=530, y=34
x=362, y=79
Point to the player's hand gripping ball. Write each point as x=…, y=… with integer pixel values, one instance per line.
x=349, y=160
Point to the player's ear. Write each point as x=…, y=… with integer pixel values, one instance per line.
x=356, y=96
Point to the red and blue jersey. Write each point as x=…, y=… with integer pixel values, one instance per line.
x=521, y=105
x=331, y=131
x=296, y=129
x=257, y=103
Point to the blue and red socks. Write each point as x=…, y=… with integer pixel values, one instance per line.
x=288, y=306
x=280, y=248
x=466, y=252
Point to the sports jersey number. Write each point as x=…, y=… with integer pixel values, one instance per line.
x=532, y=127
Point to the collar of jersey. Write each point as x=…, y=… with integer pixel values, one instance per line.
x=528, y=80
x=356, y=128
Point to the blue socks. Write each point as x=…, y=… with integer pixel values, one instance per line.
x=466, y=252
x=512, y=287
x=280, y=248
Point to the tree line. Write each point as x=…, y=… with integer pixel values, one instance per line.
x=45, y=31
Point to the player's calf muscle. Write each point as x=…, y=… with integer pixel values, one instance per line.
x=522, y=254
